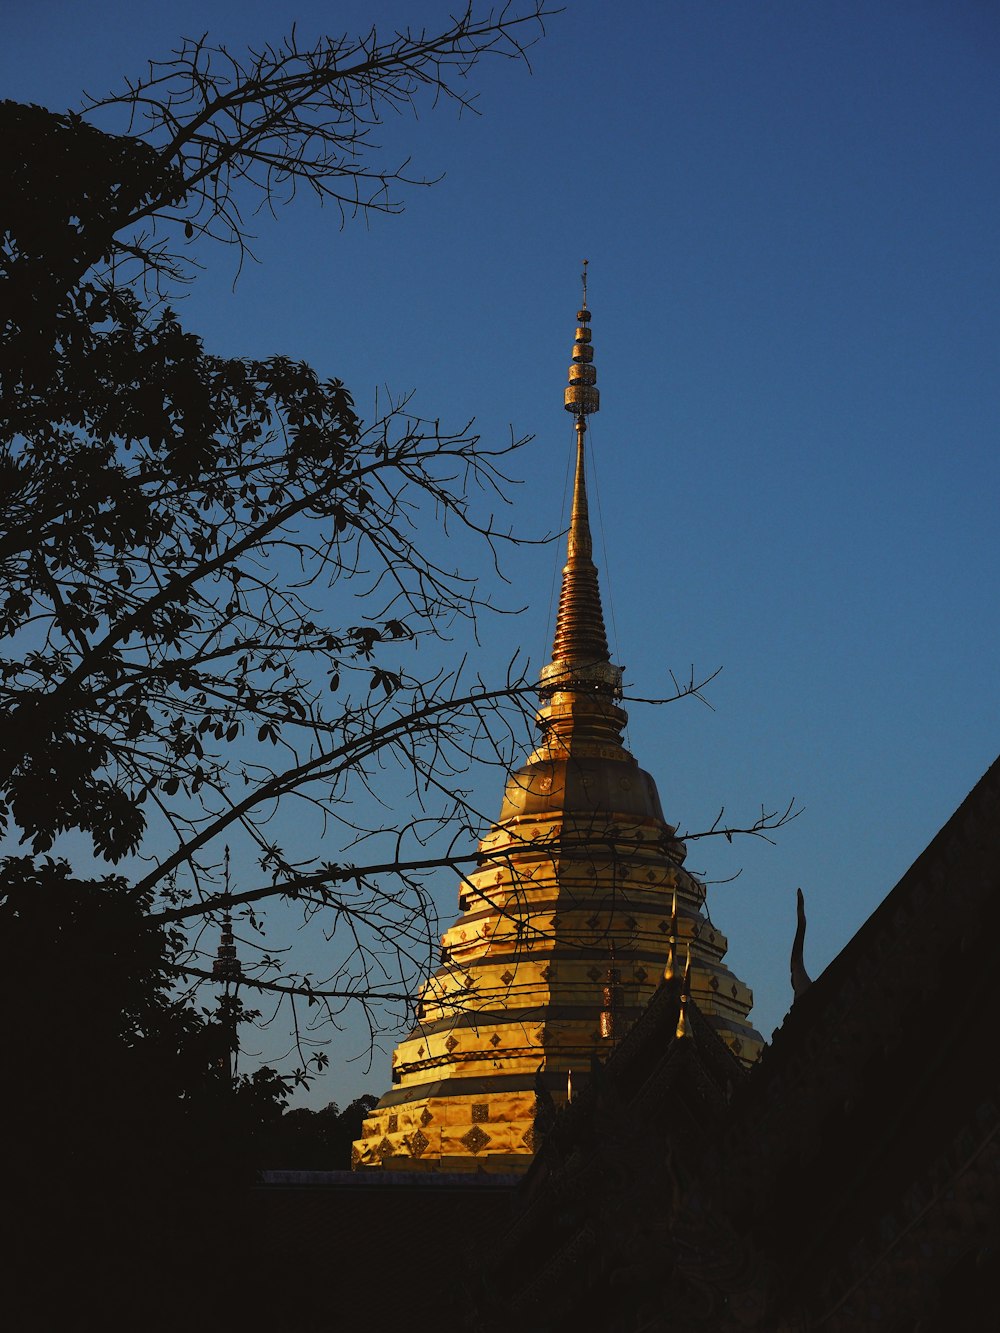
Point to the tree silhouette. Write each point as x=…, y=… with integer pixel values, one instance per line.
x=178, y=530
x=216, y=574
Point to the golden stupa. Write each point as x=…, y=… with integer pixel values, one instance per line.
x=579, y=902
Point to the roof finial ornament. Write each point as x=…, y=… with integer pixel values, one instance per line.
x=683, y=1026
x=583, y=303
x=801, y=980
x=668, y=971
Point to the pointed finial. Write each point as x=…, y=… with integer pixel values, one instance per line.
x=682, y=1017
x=801, y=981
x=668, y=971
x=583, y=276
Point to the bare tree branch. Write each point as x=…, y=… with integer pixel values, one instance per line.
x=226, y=127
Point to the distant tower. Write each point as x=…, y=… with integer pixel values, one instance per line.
x=227, y=968
x=579, y=901
x=226, y=965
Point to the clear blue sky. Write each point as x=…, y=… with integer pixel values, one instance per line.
x=791, y=213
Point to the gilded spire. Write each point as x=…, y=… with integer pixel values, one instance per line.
x=580, y=636
x=580, y=657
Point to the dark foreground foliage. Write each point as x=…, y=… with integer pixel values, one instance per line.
x=126, y=1146
x=128, y=1149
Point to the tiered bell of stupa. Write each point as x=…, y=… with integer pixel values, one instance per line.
x=566, y=926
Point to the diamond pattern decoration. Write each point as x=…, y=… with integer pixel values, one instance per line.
x=593, y=922
x=451, y=1043
x=630, y=922
x=420, y=1050
x=593, y=973
x=714, y=983
x=530, y=1138
x=383, y=1150
x=663, y=927
x=495, y=1040
x=476, y=1139
x=507, y=977
x=641, y=974
x=425, y=1120
x=547, y=972
x=393, y=1124
x=355, y=1157
x=737, y=1046
x=735, y=990
x=469, y=979
x=480, y=1112
x=419, y=1142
